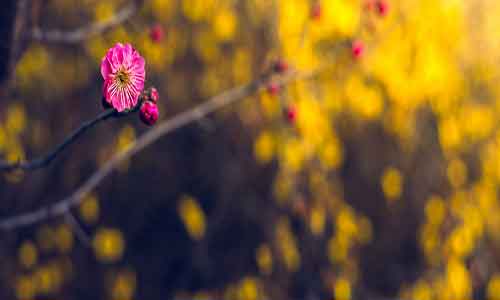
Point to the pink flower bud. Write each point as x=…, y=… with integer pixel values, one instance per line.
x=149, y=113
x=357, y=49
x=382, y=7
x=316, y=11
x=273, y=89
x=291, y=114
x=156, y=33
x=280, y=66
x=154, y=95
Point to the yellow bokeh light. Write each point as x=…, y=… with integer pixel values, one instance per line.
x=89, y=209
x=225, y=24
x=342, y=289
x=392, y=183
x=108, y=244
x=264, y=259
x=124, y=285
x=25, y=287
x=457, y=173
x=493, y=288
x=264, y=147
x=28, y=254
x=192, y=216
x=64, y=239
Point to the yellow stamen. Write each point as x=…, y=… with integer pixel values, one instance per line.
x=122, y=77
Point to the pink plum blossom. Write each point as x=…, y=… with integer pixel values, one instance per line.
x=123, y=71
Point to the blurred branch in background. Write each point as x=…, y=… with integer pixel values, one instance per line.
x=63, y=206
x=45, y=160
x=88, y=31
x=12, y=23
x=15, y=23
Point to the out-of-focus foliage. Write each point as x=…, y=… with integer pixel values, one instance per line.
x=383, y=183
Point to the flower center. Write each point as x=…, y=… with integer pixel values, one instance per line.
x=122, y=77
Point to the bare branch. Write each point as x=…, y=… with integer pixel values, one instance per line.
x=86, y=32
x=49, y=157
x=61, y=207
x=13, y=21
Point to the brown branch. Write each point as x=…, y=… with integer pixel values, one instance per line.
x=13, y=21
x=86, y=32
x=63, y=206
x=45, y=160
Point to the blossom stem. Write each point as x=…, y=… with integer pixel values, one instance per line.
x=45, y=160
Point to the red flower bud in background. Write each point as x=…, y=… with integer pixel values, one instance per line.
x=316, y=11
x=280, y=66
x=291, y=114
x=154, y=95
x=357, y=49
x=156, y=33
x=273, y=88
x=382, y=7
x=149, y=113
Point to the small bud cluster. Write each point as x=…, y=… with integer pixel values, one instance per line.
x=280, y=67
x=149, y=109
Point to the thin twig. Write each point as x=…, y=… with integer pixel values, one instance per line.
x=80, y=233
x=49, y=157
x=86, y=32
x=61, y=207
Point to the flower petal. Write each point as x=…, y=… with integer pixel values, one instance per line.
x=105, y=68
